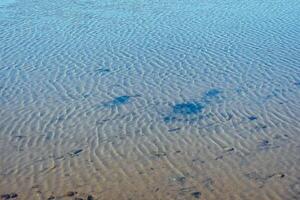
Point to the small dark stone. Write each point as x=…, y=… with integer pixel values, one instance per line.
x=70, y=194
x=78, y=198
x=90, y=197
x=264, y=126
x=197, y=195
x=251, y=118
x=265, y=143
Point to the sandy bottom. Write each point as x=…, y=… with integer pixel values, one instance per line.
x=150, y=99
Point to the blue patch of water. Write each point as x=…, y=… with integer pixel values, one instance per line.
x=118, y=101
x=211, y=95
x=187, y=108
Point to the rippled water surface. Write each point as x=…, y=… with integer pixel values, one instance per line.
x=148, y=99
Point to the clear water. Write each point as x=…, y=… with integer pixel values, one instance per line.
x=111, y=77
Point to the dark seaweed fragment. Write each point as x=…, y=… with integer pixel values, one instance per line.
x=173, y=129
x=76, y=152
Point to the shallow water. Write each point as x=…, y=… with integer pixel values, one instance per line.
x=181, y=99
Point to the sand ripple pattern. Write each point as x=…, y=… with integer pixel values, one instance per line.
x=150, y=99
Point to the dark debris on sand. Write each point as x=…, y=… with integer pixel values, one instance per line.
x=9, y=196
x=72, y=194
x=75, y=152
x=90, y=197
x=262, y=179
x=196, y=195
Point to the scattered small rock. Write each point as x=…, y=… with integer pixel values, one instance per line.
x=90, y=197
x=159, y=154
x=197, y=195
x=70, y=194
x=9, y=196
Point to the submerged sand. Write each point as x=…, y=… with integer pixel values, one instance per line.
x=150, y=100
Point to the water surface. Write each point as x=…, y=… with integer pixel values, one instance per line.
x=146, y=99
